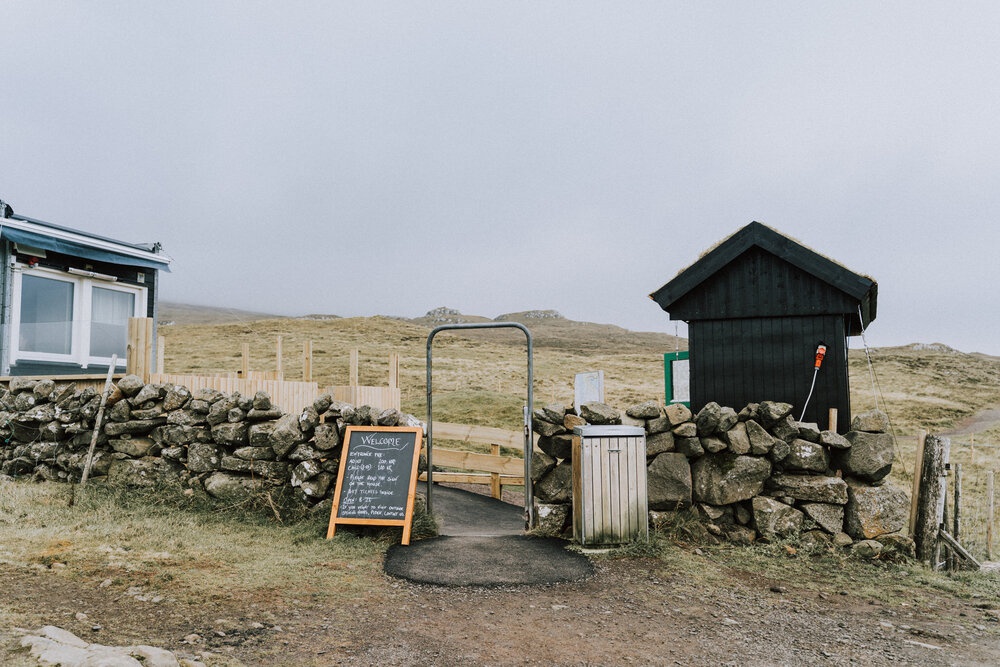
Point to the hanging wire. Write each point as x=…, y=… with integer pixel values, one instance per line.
x=877, y=391
x=868, y=356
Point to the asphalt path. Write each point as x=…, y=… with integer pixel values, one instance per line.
x=482, y=542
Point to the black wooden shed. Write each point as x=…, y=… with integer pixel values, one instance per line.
x=757, y=306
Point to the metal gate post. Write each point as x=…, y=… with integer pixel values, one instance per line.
x=529, y=496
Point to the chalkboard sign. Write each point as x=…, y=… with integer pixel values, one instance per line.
x=377, y=477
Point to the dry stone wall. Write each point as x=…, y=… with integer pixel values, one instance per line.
x=227, y=445
x=744, y=475
x=747, y=475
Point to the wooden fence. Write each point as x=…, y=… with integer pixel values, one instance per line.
x=493, y=469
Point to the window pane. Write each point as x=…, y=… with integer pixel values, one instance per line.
x=109, y=322
x=46, y=316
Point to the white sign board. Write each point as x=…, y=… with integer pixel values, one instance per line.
x=681, y=380
x=588, y=388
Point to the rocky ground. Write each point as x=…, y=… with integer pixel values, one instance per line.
x=633, y=611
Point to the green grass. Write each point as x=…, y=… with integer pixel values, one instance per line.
x=191, y=551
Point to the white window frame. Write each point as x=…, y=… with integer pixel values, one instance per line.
x=82, y=307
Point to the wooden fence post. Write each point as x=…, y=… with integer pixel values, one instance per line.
x=353, y=381
x=394, y=370
x=307, y=361
x=989, y=515
x=931, y=497
x=915, y=493
x=278, y=362
x=245, y=366
x=139, y=347
x=161, y=351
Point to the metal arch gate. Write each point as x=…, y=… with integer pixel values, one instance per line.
x=529, y=500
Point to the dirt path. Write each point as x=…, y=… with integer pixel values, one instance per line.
x=983, y=420
x=633, y=611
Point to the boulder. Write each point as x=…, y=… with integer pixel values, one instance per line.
x=872, y=511
x=203, y=457
x=869, y=457
x=557, y=485
x=133, y=427
x=647, y=410
x=806, y=456
x=727, y=419
x=557, y=446
x=658, y=425
x=541, y=465
x=809, y=431
x=689, y=447
x=774, y=519
x=668, y=482
x=552, y=519
x=873, y=421
x=677, y=413
x=254, y=453
x=231, y=434
x=547, y=429
x=304, y=472
x=319, y=486
x=828, y=517
x=737, y=438
x=133, y=472
x=176, y=398
x=712, y=443
x=232, y=488
x=770, y=412
x=786, y=429
x=599, y=413
x=275, y=470
x=130, y=385
x=133, y=447
x=761, y=441
x=811, y=488
x=657, y=443
x=721, y=479
x=833, y=440
x=285, y=435
x=326, y=437
x=707, y=419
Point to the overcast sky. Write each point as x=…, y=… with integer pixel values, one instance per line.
x=388, y=158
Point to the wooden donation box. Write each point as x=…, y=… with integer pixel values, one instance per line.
x=610, y=503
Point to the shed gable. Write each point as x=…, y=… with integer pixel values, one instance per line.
x=758, y=283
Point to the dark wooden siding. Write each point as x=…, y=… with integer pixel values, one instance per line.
x=760, y=284
x=739, y=361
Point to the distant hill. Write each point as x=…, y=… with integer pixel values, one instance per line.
x=548, y=327
x=183, y=313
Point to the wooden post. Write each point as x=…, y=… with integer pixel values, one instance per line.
x=394, y=370
x=139, y=347
x=353, y=381
x=161, y=351
x=279, y=368
x=245, y=366
x=307, y=361
x=915, y=493
x=833, y=420
x=957, y=521
x=97, y=421
x=496, y=490
x=989, y=515
x=931, y=496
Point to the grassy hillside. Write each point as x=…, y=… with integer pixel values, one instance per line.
x=921, y=386
x=480, y=376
